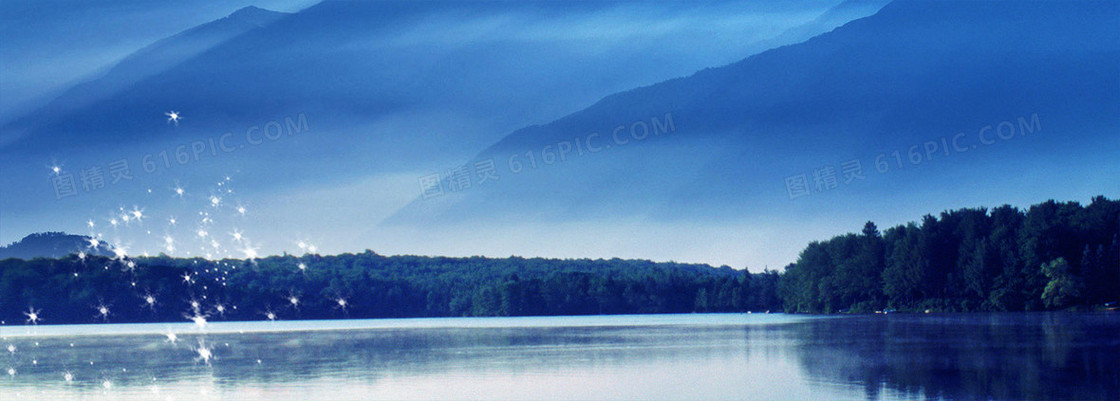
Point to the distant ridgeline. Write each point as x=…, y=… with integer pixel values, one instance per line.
x=1052, y=256
x=366, y=285
x=53, y=245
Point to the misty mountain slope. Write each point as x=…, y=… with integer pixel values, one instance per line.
x=372, y=70
x=912, y=73
x=151, y=60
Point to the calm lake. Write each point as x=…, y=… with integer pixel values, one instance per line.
x=698, y=356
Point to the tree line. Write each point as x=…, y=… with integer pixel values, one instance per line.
x=1047, y=257
x=1050, y=256
x=366, y=285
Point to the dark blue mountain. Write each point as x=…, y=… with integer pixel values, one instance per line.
x=426, y=79
x=151, y=60
x=907, y=79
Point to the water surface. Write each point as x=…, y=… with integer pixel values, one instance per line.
x=696, y=356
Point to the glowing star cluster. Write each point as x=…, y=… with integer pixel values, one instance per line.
x=120, y=233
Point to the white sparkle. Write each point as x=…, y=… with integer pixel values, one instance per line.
x=204, y=353
x=250, y=252
x=137, y=214
x=120, y=252
x=103, y=312
x=32, y=315
x=199, y=320
x=173, y=117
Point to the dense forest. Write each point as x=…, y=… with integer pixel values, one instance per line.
x=1051, y=256
x=75, y=289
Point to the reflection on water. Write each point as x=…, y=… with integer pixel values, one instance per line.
x=1002, y=356
x=996, y=356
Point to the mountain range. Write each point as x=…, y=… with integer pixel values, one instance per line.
x=938, y=104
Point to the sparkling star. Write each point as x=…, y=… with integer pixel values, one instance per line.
x=120, y=252
x=204, y=353
x=250, y=252
x=199, y=320
x=136, y=214
x=103, y=312
x=173, y=117
x=32, y=315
